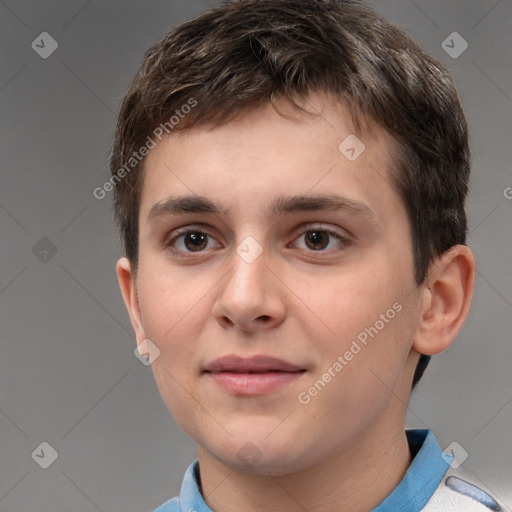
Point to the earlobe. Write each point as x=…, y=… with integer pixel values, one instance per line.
x=130, y=297
x=447, y=295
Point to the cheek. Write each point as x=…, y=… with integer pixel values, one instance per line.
x=173, y=321
x=169, y=299
x=368, y=320
x=369, y=379
x=352, y=303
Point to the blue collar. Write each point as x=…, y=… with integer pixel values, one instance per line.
x=412, y=493
x=423, y=476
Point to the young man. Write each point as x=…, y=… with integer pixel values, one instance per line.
x=290, y=178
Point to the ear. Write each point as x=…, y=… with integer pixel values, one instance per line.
x=130, y=297
x=447, y=294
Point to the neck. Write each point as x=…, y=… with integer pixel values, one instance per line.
x=356, y=478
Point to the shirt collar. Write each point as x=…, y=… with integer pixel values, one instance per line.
x=412, y=493
x=423, y=476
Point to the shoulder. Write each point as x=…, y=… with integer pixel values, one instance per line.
x=459, y=491
x=172, y=505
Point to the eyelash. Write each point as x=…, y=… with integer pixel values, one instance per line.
x=345, y=242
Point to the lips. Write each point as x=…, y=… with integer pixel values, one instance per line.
x=256, y=375
x=255, y=364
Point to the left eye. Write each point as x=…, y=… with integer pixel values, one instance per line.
x=320, y=239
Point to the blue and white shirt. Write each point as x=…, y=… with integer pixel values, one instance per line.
x=430, y=485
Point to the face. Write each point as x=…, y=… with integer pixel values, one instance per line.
x=283, y=304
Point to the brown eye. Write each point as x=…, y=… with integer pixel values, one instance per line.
x=195, y=241
x=191, y=241
x=321, y=239
x=317, y=240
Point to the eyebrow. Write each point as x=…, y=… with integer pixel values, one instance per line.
x=176, y=205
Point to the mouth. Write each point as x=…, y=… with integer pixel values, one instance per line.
x=252, y=376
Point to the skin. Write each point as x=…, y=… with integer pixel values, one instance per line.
x=346, y=449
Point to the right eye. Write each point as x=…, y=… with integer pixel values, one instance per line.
x=190, y=241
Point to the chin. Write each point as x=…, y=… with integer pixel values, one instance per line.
x=263, y=455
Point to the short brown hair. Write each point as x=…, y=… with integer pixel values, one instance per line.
x=243, y=53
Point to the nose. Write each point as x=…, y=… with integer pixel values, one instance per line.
x=251, y=296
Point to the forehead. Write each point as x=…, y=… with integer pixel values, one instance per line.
x=262, y=155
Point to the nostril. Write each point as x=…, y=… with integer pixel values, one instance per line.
x=227, y=321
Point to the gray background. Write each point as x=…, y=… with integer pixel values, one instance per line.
x=68, y=375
